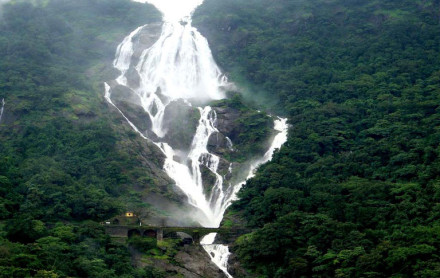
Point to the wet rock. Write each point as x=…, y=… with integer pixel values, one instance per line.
x=133, y=111
x=161, y=96
x=146, y=38
x=191, y=261
x=223, y=169
x=227, y=122
x=177, y=159
x=218, y=144
x=196, y=260
x=180, y=121
x=209, y=179
x=136, y=114
x=133, y=78
x=122, y=93
x=129, y=103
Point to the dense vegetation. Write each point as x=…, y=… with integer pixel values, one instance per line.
x=64, y=158
x=353, y=193
x=355, y=190
x=251, y=130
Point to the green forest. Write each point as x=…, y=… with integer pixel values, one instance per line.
x=355, y=191
x=66, y=163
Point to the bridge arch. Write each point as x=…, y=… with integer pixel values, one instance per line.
x=133, y=232
x=185, y=237
x=171, y=234
x=150, y=233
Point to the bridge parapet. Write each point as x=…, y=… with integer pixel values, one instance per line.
x=125, y=231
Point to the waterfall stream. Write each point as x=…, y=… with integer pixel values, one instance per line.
x=2, y=109
x=180, y=66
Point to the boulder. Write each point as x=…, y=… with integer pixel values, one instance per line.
x=180, y=122
x=209, y=179
x=227, y=121
x=129, y=103
x=218, y=144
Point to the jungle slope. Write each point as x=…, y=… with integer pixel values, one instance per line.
x=355, y=190
x=67, y=161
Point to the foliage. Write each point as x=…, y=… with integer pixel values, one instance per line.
x=251, y=130
x=66, y=250
x=63, y=159
x=142, y=244
x=354, y=191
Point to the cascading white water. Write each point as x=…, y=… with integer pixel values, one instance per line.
x=179, y=65
x=189, y=179
x=124, y=54
x=282, y=127
x=219, y=253
x=2, y=109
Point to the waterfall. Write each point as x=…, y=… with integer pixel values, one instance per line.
x=219, y=253
x=2, y=109
x=180, y=66
x=280, y=125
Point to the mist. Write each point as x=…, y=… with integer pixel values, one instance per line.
x=2, y=2
x=174, y=10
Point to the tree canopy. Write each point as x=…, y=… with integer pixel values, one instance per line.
x=65, y=161
x=354, y=191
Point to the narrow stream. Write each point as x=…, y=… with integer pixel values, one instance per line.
x=2, y=109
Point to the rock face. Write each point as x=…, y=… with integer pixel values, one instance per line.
x=146, y=38
x=180, y=121
x=191, y=261
x=195, y=260
x=227, y=122
x=128, y=102
x=228, y=125
x=209, y=179
x=218, y=144
x=133, y=78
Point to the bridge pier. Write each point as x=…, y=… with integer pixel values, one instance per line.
x=196, y=238
x=159, y=234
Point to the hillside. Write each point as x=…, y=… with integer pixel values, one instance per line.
x=354, y=192
x=67, y=161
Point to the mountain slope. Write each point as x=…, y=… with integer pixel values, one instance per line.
x=354, y=191
x=64, y=158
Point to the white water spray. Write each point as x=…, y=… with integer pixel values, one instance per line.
x=219, y=253
x=282, y=127
x=2, y=109
x=179, y=65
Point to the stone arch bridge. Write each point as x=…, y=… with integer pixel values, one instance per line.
x=125, y=231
